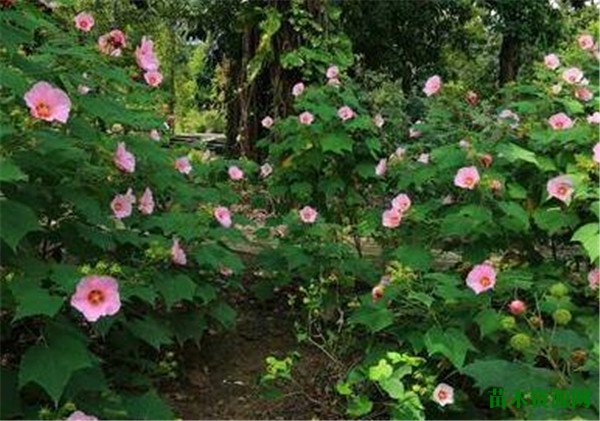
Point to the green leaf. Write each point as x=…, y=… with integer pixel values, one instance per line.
x=589, y=236
x=393, y=386
x=414, y=256
x=16, y=221
x=336, y=143
x=147, y=407
x=9, y=395
x=421, y=297
x=51, y=365
x=516, y=218
x=33, y=300
x=359, y=406
x=150, y=331
x=382, y=370
x=374, y=318
x=176, y=288
x=488, y=321
x=224, y=314
x=511, y=376
x=9, y=171
x=452, y=343
x=553, y=220
x=513, y=153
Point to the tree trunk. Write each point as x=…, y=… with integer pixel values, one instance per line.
x=509, y=59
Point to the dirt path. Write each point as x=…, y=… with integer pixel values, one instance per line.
x=221, y=378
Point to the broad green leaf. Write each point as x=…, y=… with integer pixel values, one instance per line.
x=32, y=300
x=414, y=256
x=513, y=153
x=382, y=370
x=224, y=314
x=9, y=171
x=393, y=386
x=589, y=237
x=451, y=343
x=336, y=143
x=147, y=407
x=359, y=406
x=374, y=318
x=16, y=221
x=488, y=321
x=150, y=331
x=175, y=288
x=554, y=220
x=516, y=218
x=9, y=395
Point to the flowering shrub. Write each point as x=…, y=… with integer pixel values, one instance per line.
x=107, y=257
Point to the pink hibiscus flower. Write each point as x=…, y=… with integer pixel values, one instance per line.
x=443, y=394
x=112, y=43
x=594, y=118
x=332, y=72
x=481, y=278
x=84, y=22
x=560, y=121
x=235, y=173
x=308, y=215
x=178, y=255
x=391, y=218
x=511, y=117
x=267, y=122
x=466, y=178
x=594, y=278
x=153, y=78
x=584, y=94
x=306, y=118
x=586, y=42
x=183, y=165
x=223, y=215
x=81, y=416
x=145, y=57
x=48, y=103
x=297, y=89
x=400, y=152
x=122, y=204
x=572, y=75
x=155, y=135
x=560, y=187
x=381, y=168
x=346, y=113
x=146, y=205
x=517, y=307
x=552, y=61
x=596, y=150
x=96, y=296
x=401, y=202
x=433, y=85
x=123, y=159
x=378, y=121
x=423, y=158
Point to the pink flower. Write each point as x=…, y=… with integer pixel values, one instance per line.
x=332, y=72
x=443, y=394
x=183, y=165
x=433, y=85
x=481, y=278
x=155, y=135
x=586, y=42
x=48, y=103
x=401, y=202
x=583, y=94
x=378, y=120
x=391, y=218
x=81, y=416
x=510, y=115
x=552, y=61
x=486, y=160
x=466, y=178
x=308, y=215
x=345, y=113
x=223, y=215
x=423, y=158
x=334, y=82
x=306, y=118
x=153, y=78
x=594, y=118
x=517, y=307
x=84, y=22
x=146, y=205
x=83, y=89
x=560, y=121
x=400, y=152
x=297, y=89
x=265, y=170
x=96, y=296
x=178, y=255
x=560, y=187
x=414, y=133
x=235, y=173
x=555, y=89
x=267, y=122
x=145, y=56
x=572, y=75
x=112, y=43
x=381, y=168
x=594, y=278
x=377, y=292
x=225, y=271
x=123, y=159
x=122, y=204
x=597, y=153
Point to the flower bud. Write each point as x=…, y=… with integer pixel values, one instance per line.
x=520, y=342
x=559, y=290
x=508, y=322
x=562, y=316
x=517, y=307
